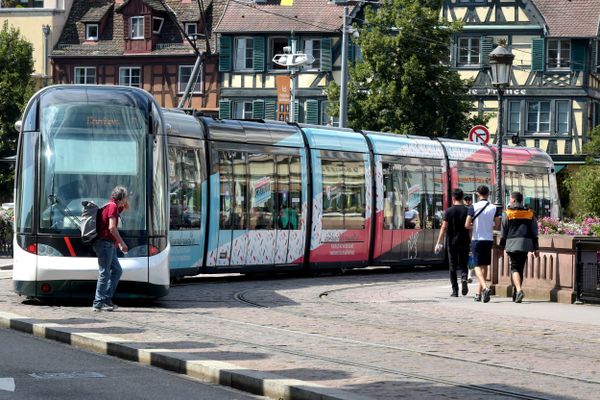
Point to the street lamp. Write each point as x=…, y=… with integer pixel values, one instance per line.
x=501, y=60
x=294, y=61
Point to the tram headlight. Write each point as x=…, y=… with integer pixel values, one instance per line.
x=49, y=251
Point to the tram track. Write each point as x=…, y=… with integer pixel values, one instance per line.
x=324, y=296
x=339, y=361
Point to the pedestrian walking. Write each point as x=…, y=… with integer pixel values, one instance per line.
x=457, y=242
x=482, y=219
x=469, y=203
x=109, y=268
x=519, y=237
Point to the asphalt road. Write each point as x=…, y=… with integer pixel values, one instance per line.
x=34, y=368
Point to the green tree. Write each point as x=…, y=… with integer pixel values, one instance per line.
x=403, y=82
x=584, y=191
x=592, y=147
x=16, y=86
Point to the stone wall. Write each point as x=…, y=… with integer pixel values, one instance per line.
x=550, y=277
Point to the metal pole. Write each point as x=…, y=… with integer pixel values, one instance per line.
x=499, y=193
x=344, y=82
x=292, y=83
x=191, y=82
x=46, y=32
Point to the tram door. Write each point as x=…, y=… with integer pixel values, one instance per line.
x=186, y=176
x=232, y=206
x=414, y=210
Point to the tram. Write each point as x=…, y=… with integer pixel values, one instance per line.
x=220, y=196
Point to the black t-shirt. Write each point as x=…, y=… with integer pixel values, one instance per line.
x=456, y=217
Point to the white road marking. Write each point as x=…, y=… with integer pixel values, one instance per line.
x=7, y=384
x=66, y=375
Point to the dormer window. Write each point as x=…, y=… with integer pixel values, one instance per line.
x=137, y=27
x=91, y=32
x=157, y=24
x=191, y=29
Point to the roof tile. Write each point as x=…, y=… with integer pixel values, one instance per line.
x=271, y=16
x=570, y=18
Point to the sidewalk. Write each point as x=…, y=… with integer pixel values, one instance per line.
x=6, y=263
x=358, y=343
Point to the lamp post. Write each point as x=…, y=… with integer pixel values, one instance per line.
x=294, y=61
x=501, y=60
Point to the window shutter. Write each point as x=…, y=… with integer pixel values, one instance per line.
x=297, y=111
x=126, y=28
x=326, y=56
x=147, y=26
x=312, y=112
x=258, y=54
x=351, y=51
x=258, y=109
x=486, y=47
x=271, y=109
x=594, y=56
x=225, y=54
x=578, y=49
x=537, y=54
x=225, y=109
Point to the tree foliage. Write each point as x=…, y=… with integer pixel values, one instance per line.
x=592, y=147
x=403, y=82
x=16, y=86
x=584, y=191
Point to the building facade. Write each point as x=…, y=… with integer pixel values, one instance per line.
x=144, y=44
x=554, y=99
x=40, y=22
x=252, y=34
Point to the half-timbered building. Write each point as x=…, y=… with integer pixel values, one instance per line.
x=142, y=43
x=252, y=33
x=554, y=98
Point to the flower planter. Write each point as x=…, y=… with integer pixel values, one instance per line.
x=550, y=277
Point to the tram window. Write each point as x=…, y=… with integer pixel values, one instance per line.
x=82, y=167
x=388, y=195
x=261, y=191
x=288, y=201
x=185, y=187
x=295, y=197
x=434, y=201
x=333, y=187
x=226, y=190
x=26, y=185
x=354, y=195
x=529, y=192
x=240, y=191
x=413, y=187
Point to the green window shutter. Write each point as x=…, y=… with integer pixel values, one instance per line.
x=312, y=112
x=297, y=111
x=258, y=109
x=271, y=109
x=351, y=51
x=594, y=55
x=486, y=46
x=258, y=53
x=538, y=58
x=326, y=56
x=225, y=53
x=578, y=49
x=225, y=109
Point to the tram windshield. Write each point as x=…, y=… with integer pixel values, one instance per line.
x=86, y=150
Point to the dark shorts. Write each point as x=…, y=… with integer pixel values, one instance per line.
x=482, y=252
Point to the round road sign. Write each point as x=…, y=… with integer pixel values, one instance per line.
x=479, y=134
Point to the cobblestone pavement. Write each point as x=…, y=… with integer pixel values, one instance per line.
x=374, y=333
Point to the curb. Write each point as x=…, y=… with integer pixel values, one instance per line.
x=222, y=373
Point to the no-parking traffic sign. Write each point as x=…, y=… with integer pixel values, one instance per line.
x=479, y=134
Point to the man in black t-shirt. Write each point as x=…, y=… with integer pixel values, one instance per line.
x=458, y=240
